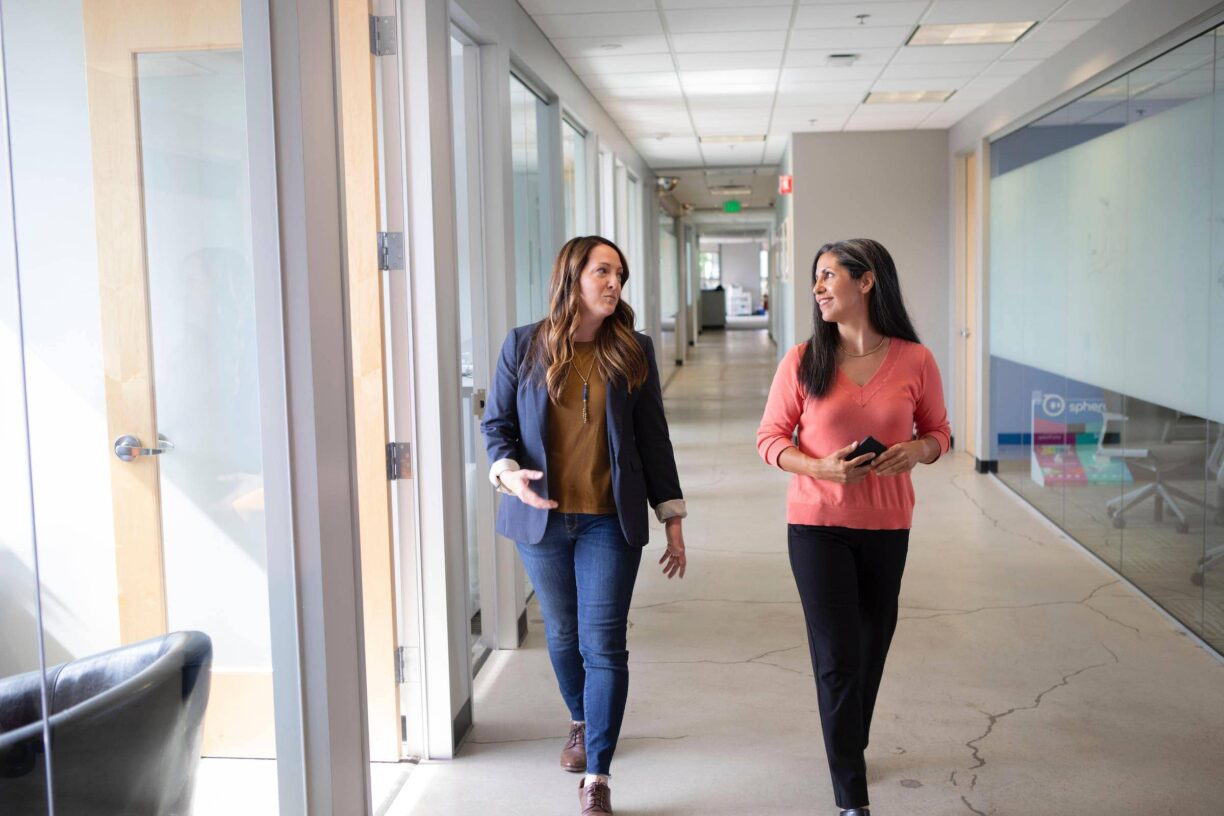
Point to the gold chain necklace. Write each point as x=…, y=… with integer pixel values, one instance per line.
x=586, y=385
x=865, y=354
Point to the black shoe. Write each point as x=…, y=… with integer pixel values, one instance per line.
x=857, y=812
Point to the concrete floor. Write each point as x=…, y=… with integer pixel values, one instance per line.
x=1024, y=677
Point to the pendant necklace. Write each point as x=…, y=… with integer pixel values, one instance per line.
x=586, y=386
x=866, y=354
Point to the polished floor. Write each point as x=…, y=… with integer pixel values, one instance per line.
x=1025, y=678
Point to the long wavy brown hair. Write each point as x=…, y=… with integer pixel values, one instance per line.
x=618, y=353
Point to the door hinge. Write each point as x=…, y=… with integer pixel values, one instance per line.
x=405, y=664
x=382, y=36
x=390, y=250
x=399, y=460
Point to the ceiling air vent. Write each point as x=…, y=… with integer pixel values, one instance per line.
x=841, y=60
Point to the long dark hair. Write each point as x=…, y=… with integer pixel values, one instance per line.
x=617, y=350
x=885, y=310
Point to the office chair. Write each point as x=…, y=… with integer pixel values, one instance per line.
x=1169, y=454
x=1215, y=467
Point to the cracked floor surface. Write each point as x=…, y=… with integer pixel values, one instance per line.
x=1024, y=677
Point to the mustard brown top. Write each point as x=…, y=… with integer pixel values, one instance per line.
x=579, y=466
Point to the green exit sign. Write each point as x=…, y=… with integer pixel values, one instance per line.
x=732, y=206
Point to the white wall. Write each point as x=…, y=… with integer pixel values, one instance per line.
x=53, y=189
x=888, y=185
x=740, y=265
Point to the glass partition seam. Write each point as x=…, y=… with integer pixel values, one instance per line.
x=25, y=417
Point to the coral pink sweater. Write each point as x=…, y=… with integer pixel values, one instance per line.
x=904, y=393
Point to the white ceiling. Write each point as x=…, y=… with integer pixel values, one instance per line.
x=670, y=71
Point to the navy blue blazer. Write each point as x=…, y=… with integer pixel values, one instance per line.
x=515, y=427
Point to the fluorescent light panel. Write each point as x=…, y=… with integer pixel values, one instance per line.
x=731, y=139
x=890, y=97
x=730, y=190
x=969, y=33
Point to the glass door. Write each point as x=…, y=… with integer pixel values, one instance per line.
x=473, y=343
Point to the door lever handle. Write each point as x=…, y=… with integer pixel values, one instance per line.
x=128, y=447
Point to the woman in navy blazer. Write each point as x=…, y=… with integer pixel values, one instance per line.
x=577, y=477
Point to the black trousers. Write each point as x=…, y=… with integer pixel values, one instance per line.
x=848, y=583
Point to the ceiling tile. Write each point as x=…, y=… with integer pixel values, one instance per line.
x=949, y=53
x=618, y=64
x=635, y=94
x=652, y=80
x=989, y=11
x=821, y=95
x=842, y=15
x=704, y=93
x=755, y=18
x=1088, y=9
x=711, y=43
x=534, y=7
x=1055, y=31
x=820, y=57
x=570, y=47
x=1034, y=49
x=849, y=39
x=740, y=60
x=709, y=4
x=924, y=70
x=611, y=24
x=828, y=74
x=719, y=79
x=733, y=155
x=811, y=89
x=925, y=84
x=761, y=102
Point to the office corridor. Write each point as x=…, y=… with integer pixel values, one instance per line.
x=1024, y=677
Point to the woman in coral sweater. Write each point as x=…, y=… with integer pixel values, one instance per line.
x=863, y=373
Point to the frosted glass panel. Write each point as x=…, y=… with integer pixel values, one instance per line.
x=1106, y=293
x=201, y=295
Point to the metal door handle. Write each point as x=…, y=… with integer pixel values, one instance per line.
x=128, y=447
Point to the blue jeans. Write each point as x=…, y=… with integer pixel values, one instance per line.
x=583, y=572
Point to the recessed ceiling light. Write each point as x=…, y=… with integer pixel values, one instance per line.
x=731, y=139
x=610, y=47
x=886, y=97
x=730, y=189
x=969, y=33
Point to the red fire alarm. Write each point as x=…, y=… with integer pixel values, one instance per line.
x=786, y=185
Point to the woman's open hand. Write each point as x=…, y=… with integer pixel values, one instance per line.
x=673, y=558
x=519, y=482
x=837, y=468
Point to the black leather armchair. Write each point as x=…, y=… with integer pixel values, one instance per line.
x=126, y=727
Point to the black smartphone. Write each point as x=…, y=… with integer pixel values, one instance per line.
x=868, y=445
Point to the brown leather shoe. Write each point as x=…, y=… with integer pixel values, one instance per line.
x=573, y=755
x=596, y=799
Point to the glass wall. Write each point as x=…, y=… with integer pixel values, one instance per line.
x=130, y=233
x=669, y=285
x=635, y=292
x=574, y=178
x=532, y=242
x=1107, y=325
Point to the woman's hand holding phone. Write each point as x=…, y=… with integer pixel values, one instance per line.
x=837, y=468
